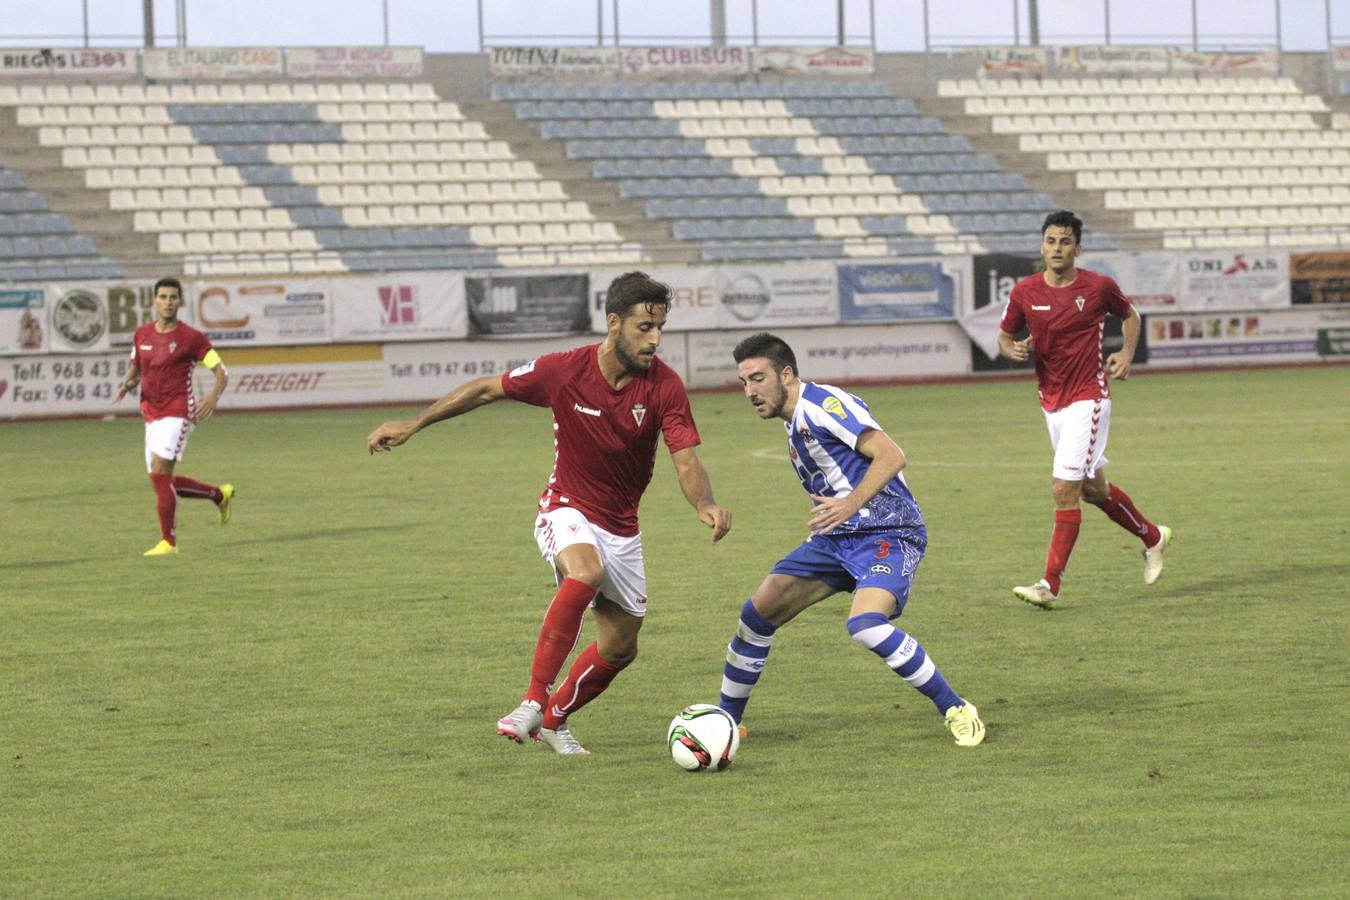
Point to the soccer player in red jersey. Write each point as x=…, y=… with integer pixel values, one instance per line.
x=610, y=402
x=163, y=354
x=1064, y=308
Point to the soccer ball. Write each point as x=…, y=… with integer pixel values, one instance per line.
x=703, y=738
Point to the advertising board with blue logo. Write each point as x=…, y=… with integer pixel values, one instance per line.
x=902, y=291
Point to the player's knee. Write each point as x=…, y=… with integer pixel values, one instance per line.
x=1067, y=493
x=619, y=654
x=592, y=575
x=858, y=626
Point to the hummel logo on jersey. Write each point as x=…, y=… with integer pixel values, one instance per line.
x=585, y=409
x=147, y=347
x=639, y=413
x=1040, y=308
x=1079, y=301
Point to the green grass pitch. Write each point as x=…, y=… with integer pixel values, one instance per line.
x=302, y=703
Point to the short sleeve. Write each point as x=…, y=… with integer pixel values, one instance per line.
x=203, y=347
x=839, y=414
x=1014, y=318
x=534, y=382
x=677, y=419
x=1116, y=302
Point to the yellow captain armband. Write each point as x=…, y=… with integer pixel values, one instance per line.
x=211, y=359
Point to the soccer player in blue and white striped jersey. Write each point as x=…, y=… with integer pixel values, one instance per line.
x=867, y=534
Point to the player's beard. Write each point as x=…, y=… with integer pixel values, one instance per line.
x=632, y=362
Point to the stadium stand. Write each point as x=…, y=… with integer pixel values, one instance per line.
x=240, y=179
x=37, y=244
x=786, y=168
x=1203, y=161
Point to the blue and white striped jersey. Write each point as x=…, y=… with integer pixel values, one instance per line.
x=822, y=440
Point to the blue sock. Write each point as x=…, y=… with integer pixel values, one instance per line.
x=746, y=655
x=905, y=656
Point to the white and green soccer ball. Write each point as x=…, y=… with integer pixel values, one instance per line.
x=703, y=738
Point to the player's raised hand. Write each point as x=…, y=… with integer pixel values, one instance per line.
x=388, y=436
x=717, y=518
x=1118, y=365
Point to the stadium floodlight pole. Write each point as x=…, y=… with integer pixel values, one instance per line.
x=1195, y=25
x=927, y=37
x=717, y=13
x=872, y=24
x=1017, y=23
x=385, y=3
x=1106, y=15
x=616, y=23
x=182, y=23
x=840, y=7
x=599, y=23
x=85, y=6
x=754, y=24
x=1033, y=23
x=148, y=21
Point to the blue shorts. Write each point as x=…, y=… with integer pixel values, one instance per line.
x=849, y=562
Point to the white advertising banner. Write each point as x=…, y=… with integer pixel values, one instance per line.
x=23, y=321
x=354, y=62
x=514, y=61
x=754, y=296
x=1260, y=62
x=399, y=306
x=842, y=354
x=814, y=60
x=97, y=316
x=266, y=377
x=235, y=313
x=212, y=63
x=1148, y=279
x=421, y=372
x=1143, y=60
x=1257, y=279
x=686, y=60
x=63, y=385
x=1284, y=335
x=66, y=63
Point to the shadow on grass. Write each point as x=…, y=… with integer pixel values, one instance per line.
x=295, y=537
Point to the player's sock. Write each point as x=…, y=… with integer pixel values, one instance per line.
x=186, y=487
x=587, y=679
x=905, y=656
x=746, y=655
x=1067, y=523
x=1121, y=510
x=558, y=635
x=166, y=504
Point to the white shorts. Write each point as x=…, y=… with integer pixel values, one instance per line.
x=1078, y=434
x=166, y=438
x=625, y=580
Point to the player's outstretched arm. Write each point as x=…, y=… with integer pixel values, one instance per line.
x=1118, y=364
x=887, y=461
x=697, y=488
x=465, y=398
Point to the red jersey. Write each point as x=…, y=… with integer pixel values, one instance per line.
x=604, y=439
x=166, y=360
x=1066, y=326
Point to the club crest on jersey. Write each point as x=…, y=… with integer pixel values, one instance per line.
x=1079, y=301
x=173, y=346
x=806, y=434
x=639, y=413
x=835, y=408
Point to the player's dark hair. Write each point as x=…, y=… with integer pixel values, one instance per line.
x=635, y=289
x=770, y=347
x=1062, y=218
x=169, y=282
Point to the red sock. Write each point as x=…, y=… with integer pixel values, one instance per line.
x=186, y=487
x=1124, y=513
x=587, y=679
x=1061, y=544
x=166, y=504
x=557, y=637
